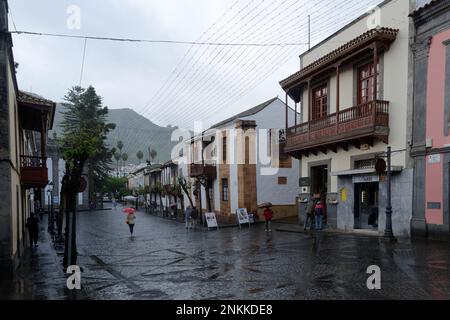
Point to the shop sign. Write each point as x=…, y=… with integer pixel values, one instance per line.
x=242, y=215
x=211, y=220
x=344, y=194
x=434, y=158
x=305, y=182
x=366, y=179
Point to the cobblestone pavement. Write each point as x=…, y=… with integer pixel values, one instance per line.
x=166, y=261
x=40, y=275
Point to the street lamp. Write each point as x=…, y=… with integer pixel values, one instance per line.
x=388, y=233
x=50, y=206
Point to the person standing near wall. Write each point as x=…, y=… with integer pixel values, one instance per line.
x=33, y=229
x=309, y=219
x=268, y=216
x=318, y=212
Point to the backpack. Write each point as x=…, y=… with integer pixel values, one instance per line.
x=194, y=214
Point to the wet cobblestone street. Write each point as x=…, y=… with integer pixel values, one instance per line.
x=166, y=261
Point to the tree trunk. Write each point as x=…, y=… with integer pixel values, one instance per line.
x=208, y=199
x=62, y=208
x=72, y=186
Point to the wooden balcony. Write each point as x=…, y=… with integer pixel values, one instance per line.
x=355, y=126
x=198, y=170
x=33, y=172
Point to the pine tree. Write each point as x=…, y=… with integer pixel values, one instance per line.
x=83, y=141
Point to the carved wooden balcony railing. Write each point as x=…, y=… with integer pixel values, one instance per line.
x=198, y=170
x=33, y=172
x=356, y=125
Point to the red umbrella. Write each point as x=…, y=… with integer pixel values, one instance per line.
x=265, y=205
x=129, y=210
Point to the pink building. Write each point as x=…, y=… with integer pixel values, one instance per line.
x=431, y=120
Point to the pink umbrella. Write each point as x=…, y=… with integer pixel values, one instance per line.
x=129, y=210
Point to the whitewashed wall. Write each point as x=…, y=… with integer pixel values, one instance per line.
x=394, y=83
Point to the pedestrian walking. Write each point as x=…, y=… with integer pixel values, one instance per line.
x=268, y=216
x=131, y=217
x=33, y=229
x=187, y=217
x=318, y=212
x=309, y=219
x=194, y=217
x=114, y=202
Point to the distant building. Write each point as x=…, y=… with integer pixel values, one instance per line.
x=431, y=124
x=25, y=120
x=239, y=159
x=136, y=178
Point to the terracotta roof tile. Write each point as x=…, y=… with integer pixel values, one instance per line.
x=425, y=7
x=340, y=52
x=32, y=98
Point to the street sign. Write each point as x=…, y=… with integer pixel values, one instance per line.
x=242, y=215
x=380, y=166
x=83, y=185
x=211, y=220
x=366, y=179
x=305, y=182
x=434, y=158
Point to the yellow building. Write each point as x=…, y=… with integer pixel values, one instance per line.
x=24, y=123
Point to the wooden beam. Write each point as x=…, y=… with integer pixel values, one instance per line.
x=295, y=116
x=337, y=94
x=287, y=113
x=356, y=143
x=375, y=72
x=344, y=146
x=334, y=148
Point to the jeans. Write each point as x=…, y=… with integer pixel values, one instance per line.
x=319, y=222
x=268, y=225
x=131, y=228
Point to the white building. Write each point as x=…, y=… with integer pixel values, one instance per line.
x=352, y=89
x=239, y=161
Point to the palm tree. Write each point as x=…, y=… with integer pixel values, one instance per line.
x=117, y=157
x=124, y=158
x=153, y=154
x=140, y=155
x=120, y=147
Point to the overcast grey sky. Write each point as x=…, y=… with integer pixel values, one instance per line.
x=210, y=83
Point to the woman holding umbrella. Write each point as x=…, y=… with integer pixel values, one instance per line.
x=268, y=215
x=131, y=217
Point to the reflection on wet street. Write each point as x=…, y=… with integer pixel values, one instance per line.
x=165, y=261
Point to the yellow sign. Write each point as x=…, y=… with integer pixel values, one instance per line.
x=344, y=195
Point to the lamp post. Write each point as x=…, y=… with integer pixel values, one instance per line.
x=388, y=232
x=50, y=207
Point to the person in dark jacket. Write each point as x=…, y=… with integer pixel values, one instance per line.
x=33, y=229
x=309, y=219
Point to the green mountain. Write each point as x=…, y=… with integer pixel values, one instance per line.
x=135, y=131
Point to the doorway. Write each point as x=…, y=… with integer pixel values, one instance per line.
x=319, y=180
x=366, y=206
x=319, y=186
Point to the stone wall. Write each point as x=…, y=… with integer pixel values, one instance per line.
x=5, y=165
